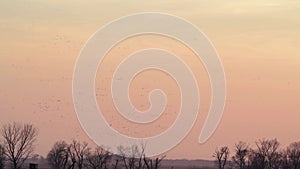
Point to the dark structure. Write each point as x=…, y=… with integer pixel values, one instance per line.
x=33, y=166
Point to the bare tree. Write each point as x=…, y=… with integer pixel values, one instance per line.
x=134, y=157
x=58, y=157
x=72, y=160
x=241, y=153
x=153, y=163
x=2, y=157
x=79, y=151
x=293, y=155
x=98, y=159
x=18, y=142
x=267, y=149
x=68, y=156
x=266, y=156
x=221, y=156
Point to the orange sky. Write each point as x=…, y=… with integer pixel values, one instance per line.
x=258, y=43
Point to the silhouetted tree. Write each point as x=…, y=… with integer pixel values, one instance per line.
x=134, y=157
x=98, y=159
x=68, y=156
x=266, y=155
x=72, y=158
x=78, y=152
x=2, y=157
x=18, y=142
x=293, y=155
x=58, y=157
x=240, y=157
x=221, y=156
x=153, y=163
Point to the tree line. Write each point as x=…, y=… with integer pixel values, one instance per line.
x=77, y=155
x=17, y=145
x=266, y=154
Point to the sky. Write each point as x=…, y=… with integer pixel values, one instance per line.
x=257, y=41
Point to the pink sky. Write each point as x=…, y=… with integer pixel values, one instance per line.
x=257, y=41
